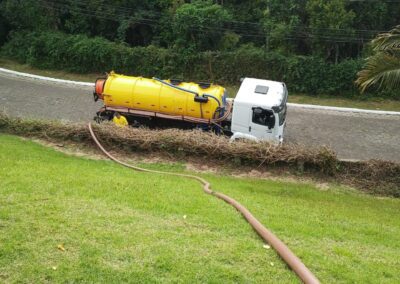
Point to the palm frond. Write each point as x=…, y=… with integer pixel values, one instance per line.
x=387, y=41
x=381, y=69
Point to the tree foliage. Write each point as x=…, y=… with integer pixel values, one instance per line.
x=283, y=19
x=199, y=25
x=207, y=33
x=332, y=29
x=329, y=16
x=382, y=69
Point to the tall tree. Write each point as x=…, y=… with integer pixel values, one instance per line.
x=330, y=24
x=200, y=25
x=4, y=28
x=29, y=14
x=284, y=23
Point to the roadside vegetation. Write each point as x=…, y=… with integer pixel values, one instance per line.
x=374, y=177
x=383, y=67
x=317, y=47
x=65, y=218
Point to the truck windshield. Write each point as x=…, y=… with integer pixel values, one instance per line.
x=282, y=115
x=282, y=108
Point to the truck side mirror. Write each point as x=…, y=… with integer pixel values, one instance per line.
x=271, y=121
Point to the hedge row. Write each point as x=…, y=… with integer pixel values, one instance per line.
x=78, y=53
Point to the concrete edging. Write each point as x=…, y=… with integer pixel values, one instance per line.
x=43, y=78
x=344, y=109
x=304, y=106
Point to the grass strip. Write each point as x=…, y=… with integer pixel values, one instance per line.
x=117, y=225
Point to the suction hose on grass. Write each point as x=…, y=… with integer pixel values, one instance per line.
x=285, y=253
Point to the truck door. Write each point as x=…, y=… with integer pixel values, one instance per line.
x=262, y=122
x=240, y=118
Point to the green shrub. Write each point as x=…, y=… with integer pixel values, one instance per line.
x=312, y=75
x=79, y=53
x=18, y=47
x=246, y=61
x=4, y=29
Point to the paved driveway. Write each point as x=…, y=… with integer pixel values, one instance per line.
x=351, y=135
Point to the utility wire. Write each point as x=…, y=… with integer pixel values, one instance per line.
x=240, y=30
x=108, y=15
x=107, y=7
x=124, y=8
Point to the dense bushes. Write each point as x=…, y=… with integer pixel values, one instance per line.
x=4, y=29
x=80, y=53
x=313, y=75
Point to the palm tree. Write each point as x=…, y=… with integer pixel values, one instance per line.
x=383, y=67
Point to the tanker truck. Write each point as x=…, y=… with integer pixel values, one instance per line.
x=257, y=112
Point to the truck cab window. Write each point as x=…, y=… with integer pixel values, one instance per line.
x=263, y=117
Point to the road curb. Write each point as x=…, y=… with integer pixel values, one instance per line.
x=43, y=78
x=291, y=105
x=344, y=109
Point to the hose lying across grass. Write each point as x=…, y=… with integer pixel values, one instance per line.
x=286, y=254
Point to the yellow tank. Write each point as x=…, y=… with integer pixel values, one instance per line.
x=175, y=98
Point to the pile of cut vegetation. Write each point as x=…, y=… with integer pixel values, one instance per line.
x=379, y=177
x=177, y=142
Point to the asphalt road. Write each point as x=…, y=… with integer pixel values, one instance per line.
x=351, y=135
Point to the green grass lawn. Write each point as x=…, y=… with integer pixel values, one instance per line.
x=118, y=225
x=370, y=103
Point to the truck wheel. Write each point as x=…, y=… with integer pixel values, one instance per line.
x=97, y=119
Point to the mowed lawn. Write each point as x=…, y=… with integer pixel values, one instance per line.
x=117, y=225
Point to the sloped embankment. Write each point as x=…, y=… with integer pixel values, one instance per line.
x=376, y=177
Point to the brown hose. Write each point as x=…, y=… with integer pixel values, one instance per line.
x=285, y=253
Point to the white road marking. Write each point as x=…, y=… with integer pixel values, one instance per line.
x=43, y=78
x=343, y=109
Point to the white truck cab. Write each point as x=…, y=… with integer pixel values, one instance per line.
x=259, y=110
